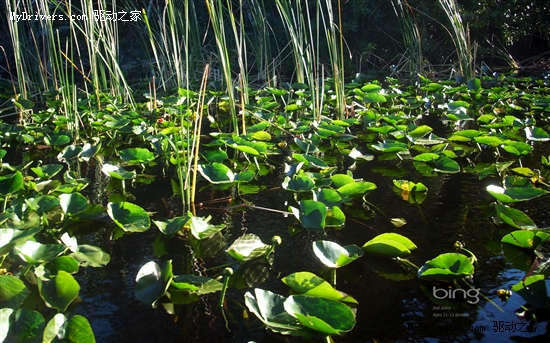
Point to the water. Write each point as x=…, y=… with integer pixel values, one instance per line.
x=388, y=310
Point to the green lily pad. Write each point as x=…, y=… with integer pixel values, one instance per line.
x=13, y=292
x=79, y=330
x=91, y=256
x=514, y=194
x=136, y=155
x=217, y=173
x=34, y=252
x=152, y=281
x=11, y=183
x=339, y=180
x=60, y=291
x=185, y=289
x=389, y=244
x=47, y=171
x=248, y=247
x=333, y=255
x=73, y=203
x=355, y=189
x=410, y=186
x=533, y=290
x=390, y=146
x=335, y=217
x=269, y=308
x=171, y=226
x=215, y=156
x=10, y=237
x=129, y=217
x=447, y=267
x=312, y=214
x=299, y=183
x=536, y=134
x=327, y=196
x=27, y=326
x=526, y=239
x=515, y=217
x=306, y=283
x=323, y=315
x=202, y=229
x=117, y=172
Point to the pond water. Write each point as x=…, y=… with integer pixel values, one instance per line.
x=388, y=310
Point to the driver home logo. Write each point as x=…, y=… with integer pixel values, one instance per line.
x=471, y=295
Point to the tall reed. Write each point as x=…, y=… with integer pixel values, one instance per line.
x=174, y=37
x=216, y=12
x=461, y=39
x=412, y=39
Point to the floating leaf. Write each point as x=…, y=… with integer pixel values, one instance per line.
x=11, y=183
x=171, y=226
x=323, y=315
x=389, y=244
x=533, y=290
x=312, y=214
x=60, y=291
x=217, y=173
x=390, y=146
x=202, y=229
x=248, y=247
x=91, y=256
x=79, y=330
x=447, y=267
x=34, y=252
x=152, y=281
x=136, y=155
x=73, y=203
x=327, y=196
x=13, y=292
x=299, y=183
x=128, y=216
x=536, y=134
x=410, y=186
x=525, y=239
x=269, y=308
x=47, y=171
x=333, y=255
x=398, y=222
x=118, y=173
x=515, y=194
x=515, y=217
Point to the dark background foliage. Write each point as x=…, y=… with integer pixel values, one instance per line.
x=519, y=28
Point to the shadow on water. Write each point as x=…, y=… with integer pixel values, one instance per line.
x=388, y=310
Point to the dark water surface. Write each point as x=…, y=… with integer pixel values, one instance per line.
x=388, y=310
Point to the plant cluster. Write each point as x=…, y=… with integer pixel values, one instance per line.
x=44, y=207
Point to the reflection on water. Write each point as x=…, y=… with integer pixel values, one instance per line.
x=388, y=310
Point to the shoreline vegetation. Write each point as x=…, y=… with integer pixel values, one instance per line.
x=212, y=99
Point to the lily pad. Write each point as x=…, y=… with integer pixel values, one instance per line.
x=533, y=290
x=217, y=173
x=390, y=245
x=447, y=267
x=306, y=283
x=525, y=239
x=322, y=315
x=152, y=281
x=13, y=292
x=269, y=308
x=248, y=247
x=136, y=155
x=11, y=183
x=129, y=217
x=515, y=217
x=515, y=194
x=59, y=292
x=312, y=214
x=333, y=255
